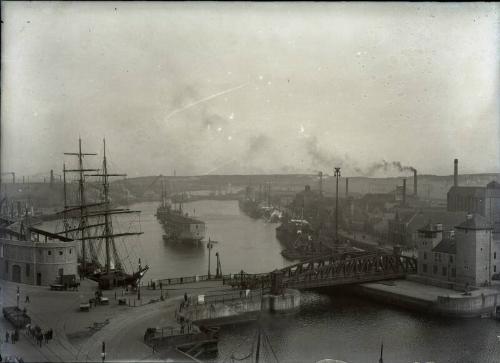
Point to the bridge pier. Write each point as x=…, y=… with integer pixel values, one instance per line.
x=246, y=308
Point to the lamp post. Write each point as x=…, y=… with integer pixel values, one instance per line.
x=218, y=272
x=337, y=176
x=138, y=288
x=209, y=246
x=17, y=307
x=103, y=353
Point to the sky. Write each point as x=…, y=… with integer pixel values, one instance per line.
x=246, y=88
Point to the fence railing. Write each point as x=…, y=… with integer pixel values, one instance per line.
x=226, y=279
x=190, y=279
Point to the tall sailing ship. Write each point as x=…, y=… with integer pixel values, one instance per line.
x=178, y=226
x=91, y=223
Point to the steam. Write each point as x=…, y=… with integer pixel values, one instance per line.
x=385, y=166
x=321, y=158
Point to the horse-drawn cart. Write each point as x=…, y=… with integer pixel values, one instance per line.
x=16, y=316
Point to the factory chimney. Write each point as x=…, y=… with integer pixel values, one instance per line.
x=455, y=174
x=415, y=183
x=346, y=187
x=404, y=192
x=320, y=174
x=51, y=177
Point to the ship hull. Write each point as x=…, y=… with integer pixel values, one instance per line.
x=179, y=228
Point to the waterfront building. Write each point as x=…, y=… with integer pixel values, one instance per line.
x=467, y=255
x=36, y=257
x=476, y=251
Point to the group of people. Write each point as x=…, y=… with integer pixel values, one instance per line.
x=12, y=336
x=38, y=335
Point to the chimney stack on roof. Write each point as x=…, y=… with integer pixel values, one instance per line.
x=455, y=174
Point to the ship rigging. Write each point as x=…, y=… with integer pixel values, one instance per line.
x=93, y=224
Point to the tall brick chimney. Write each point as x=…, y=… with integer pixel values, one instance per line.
x=415, y=182
x=455, y=174
x=404, y=192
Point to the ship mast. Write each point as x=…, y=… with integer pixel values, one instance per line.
x=81, y=202
x=108, y=234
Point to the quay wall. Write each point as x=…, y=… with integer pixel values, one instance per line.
x=241, y=310
x=468, y=306
x=455, y=306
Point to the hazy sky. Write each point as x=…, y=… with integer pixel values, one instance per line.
x=251, y=88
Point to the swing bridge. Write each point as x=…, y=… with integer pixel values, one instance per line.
x=332, y=270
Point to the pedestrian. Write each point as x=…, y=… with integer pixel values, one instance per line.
x=27, y=300
x=6, y=337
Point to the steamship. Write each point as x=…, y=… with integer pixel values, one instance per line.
x=178, y=226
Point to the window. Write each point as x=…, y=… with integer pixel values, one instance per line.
x=61, y=272
x=434, y=270
x=435, y=257
x=453, y=272
x=439, y=257
x=425, y=255
x=451, y=258
x=424, y=267
x=28, y=267
x=494, y=255
x=49, y=252
x=7, y=267
x=70, y=251
x=494, y=268
x=60, y=253
x=444, y=271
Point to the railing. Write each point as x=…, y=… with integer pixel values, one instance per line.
x=231, y=296
x=190, y=279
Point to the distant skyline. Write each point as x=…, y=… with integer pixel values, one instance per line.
x=252, y=88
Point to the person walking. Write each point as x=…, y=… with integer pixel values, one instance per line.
x=6, y=337
x=27, y=300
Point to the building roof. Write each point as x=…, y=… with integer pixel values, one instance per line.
x=429, y=227
x=446, y=245
x=468, y=191
x=424, y=217
x=493, y=185
x=475, y=221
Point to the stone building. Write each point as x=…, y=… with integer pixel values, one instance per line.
x=467, y=255
x=476, y=251
x=36, y=257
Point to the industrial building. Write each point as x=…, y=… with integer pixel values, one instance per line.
x=473, y=199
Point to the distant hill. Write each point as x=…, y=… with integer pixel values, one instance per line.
x=149, y=187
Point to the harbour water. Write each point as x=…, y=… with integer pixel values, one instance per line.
x=329, y=324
